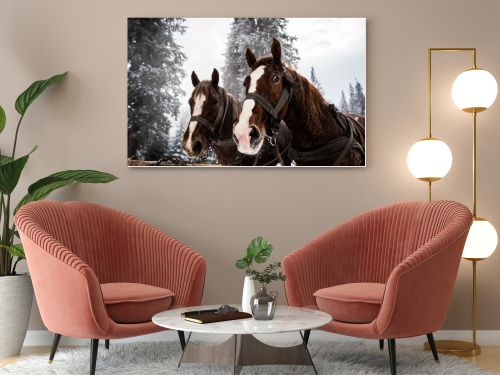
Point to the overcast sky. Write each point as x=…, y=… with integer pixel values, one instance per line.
x=336, y=47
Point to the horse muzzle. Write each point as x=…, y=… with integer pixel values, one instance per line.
x=197, y=149
x=249, y=141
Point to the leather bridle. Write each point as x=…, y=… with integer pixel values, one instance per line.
x=214, y=127
x=274, y=110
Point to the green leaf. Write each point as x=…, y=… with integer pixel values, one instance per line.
x=3, y=119
x=15, y=250
x=42, y=193
x=10, y=172
x=43, y=187
x=242, y=263
x=4, y=159
x=86, y=176
x=259, y=250
x=31, y=93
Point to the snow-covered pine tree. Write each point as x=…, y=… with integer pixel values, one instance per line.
x=256, y=34
x=352, y=99
x=360, y=98
x=154, y=84
x=314, y=80
x=343, y=106
x=176, y=134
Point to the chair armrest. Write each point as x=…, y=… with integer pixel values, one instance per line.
x=165, y=262
x=419, y=289
x=66, y=289
x=321, y=263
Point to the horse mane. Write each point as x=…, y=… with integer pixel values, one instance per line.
x=307, y=96
x=235, y=104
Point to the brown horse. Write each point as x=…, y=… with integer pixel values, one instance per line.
x=213, y=113
x=275, y=92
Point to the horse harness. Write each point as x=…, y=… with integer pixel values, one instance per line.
x=339, y=146
x=212, y=127
x=274, y=144
x=274, y=110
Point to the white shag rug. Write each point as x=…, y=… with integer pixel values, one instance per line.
x=155, y=358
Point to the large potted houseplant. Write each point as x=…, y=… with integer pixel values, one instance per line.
x=16, y=291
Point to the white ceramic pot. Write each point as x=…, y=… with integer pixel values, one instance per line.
x=248, y=292
x=16, y=298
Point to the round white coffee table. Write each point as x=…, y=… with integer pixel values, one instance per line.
x=242, y=348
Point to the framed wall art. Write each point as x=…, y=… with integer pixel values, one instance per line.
x=246, y=92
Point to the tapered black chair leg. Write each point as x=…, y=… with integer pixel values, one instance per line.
x=307, y=333
x=182, y=339
x=432, y=344
x=94, y=346
x=392, y=355
x=381, y=344
x=106, y=344
x=55, y=344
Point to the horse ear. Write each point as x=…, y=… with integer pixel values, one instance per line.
x=194, y=79
x=276, y=51
x=215, y=78
x=251, y=59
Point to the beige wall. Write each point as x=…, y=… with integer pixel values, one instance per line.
x=82, y=124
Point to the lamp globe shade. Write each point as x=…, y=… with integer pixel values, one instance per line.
x=429, y=159
x=481, y=241
x=474, y=90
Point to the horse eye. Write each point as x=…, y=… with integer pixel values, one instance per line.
x=275, y=79
x=246, y=81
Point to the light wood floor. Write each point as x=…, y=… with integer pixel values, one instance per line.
x=488, y=360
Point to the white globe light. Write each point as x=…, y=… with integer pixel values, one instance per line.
x=481, y=241
x=474, y=90
x=429, y=159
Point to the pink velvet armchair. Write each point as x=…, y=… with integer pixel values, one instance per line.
x=385, y=274
x=99, y=273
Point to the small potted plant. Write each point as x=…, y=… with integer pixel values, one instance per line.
x=263, y=304
x=258, y=251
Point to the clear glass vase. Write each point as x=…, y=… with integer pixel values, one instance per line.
x=263, y=304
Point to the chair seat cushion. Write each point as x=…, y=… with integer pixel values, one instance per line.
x=135, y=303
x=351, y=303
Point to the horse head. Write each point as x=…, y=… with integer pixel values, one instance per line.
x=268, y=91
x=207, y=105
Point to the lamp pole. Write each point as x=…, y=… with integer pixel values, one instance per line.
x=454, y=347
x=430, y=180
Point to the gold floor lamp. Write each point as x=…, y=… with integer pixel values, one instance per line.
x=430, y=159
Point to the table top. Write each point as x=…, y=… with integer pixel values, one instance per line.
x=286, y=319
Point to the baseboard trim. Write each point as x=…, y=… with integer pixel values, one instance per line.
x=484, y=337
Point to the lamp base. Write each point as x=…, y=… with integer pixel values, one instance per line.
x=456, y=348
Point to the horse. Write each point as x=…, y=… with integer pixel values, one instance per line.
x=321, y=135
x=213, y=113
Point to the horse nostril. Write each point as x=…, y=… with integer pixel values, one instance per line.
x=254, y=135
x=235, y=139
x=197, y=147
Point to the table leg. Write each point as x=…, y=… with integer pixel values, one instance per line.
x=236, y=366
x=305, y=340
x=184, y=350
